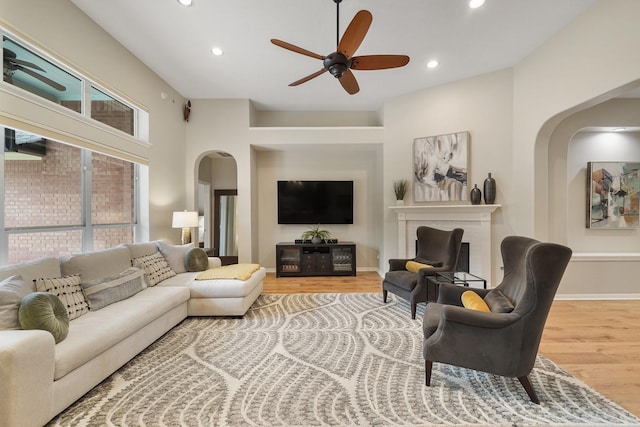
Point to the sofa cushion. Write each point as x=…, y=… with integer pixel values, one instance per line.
x=97, y=331
x=29, y=270
x=402, y=278
x=216, y=288
x=69, y=291
x=196, y=259
x=141, y=249
x=12, y=290
x=175, y=255
x=106, y=291
x=43, y=310
x=155, y=266
x=95, y=265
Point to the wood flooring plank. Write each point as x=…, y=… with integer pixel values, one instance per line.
x=598, y=342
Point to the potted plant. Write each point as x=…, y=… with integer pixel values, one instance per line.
x=316, y=235
x=400, y=189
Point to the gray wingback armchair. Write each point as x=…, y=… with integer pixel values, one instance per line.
x=504, y=341
x=438, y=248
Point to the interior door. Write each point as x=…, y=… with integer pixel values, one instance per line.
x=225, y=209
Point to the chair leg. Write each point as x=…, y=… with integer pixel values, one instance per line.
x=413, y=310
x=428, y=364
x=384, y=295
x=526, y=383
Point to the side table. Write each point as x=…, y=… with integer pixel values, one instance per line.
x=460, y=278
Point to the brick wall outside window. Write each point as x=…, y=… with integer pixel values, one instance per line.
x=48, y=192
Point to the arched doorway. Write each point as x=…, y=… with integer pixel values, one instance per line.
x=217, y=176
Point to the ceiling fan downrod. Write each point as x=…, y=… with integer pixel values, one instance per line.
x=337, y=21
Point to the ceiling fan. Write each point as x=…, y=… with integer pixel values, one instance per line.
x=341, y=62
x=11, y=64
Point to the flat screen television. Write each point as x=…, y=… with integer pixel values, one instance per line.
x=315, y=202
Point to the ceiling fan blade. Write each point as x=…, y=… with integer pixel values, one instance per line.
x=27, y=64
x=296, y=49
x=349, y=83
x=309, y=77
x=353, y=36
x=378, y=62
x=42, y=78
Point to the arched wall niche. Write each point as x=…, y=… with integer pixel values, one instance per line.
x=551, y=149
x=604, y=264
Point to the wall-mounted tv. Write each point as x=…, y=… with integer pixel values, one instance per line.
x=315, y=202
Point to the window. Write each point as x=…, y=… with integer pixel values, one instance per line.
x=33, y=72
x=61, y=199
x=110, y=111
x=29, y=71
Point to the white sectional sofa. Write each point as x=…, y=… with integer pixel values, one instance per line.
x=39, y=378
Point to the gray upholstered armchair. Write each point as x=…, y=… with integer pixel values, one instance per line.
x=438, y=248
x=504, y=341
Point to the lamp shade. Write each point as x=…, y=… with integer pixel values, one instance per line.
x=184, y=219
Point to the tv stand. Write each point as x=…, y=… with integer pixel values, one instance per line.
x=308, y=259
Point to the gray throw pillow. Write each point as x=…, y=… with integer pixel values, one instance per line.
x=42, y=310
x=498, y=302
x=102, y=292
x=196, y=259
x=12, y=290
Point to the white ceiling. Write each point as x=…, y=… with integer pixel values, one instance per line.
x=175, y=42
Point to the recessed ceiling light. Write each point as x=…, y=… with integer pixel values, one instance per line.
x=185, y=2
x=216, y=51
x=474, y=4
x=432, y=64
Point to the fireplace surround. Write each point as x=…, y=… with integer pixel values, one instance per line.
x=475, y=220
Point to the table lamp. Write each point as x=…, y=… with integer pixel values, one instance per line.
x=185, y=220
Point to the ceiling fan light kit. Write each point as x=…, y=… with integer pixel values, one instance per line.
x=340, y=63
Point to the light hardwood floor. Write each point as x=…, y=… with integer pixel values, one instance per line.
x=598, y=342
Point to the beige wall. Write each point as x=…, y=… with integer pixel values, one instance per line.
x=362, y=165
x=481, y=106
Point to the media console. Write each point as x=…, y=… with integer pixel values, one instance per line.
x=308, y=259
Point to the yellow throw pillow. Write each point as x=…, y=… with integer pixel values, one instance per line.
x=473, y=301
x=415, y=266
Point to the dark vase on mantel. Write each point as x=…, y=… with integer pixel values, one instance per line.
x=489, y=190
x=475, y=195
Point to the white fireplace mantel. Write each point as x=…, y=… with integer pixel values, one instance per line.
x=475, y=220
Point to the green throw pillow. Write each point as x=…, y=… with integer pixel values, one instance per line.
x=196, y=259
x=42, y=310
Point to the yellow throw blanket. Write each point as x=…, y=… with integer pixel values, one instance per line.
x=235, y=271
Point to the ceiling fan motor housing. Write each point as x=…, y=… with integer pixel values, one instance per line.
x=337, y=64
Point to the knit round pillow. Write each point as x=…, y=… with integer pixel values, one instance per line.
x=42, y=310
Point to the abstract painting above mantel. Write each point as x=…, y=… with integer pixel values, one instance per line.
x=613, y=195
x=440, y=168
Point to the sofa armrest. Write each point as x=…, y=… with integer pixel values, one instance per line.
x=27, y=363
x=214, y=262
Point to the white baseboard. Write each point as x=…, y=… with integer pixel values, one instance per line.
x=591, y=297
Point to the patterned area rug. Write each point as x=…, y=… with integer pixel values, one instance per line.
x=323, y=359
